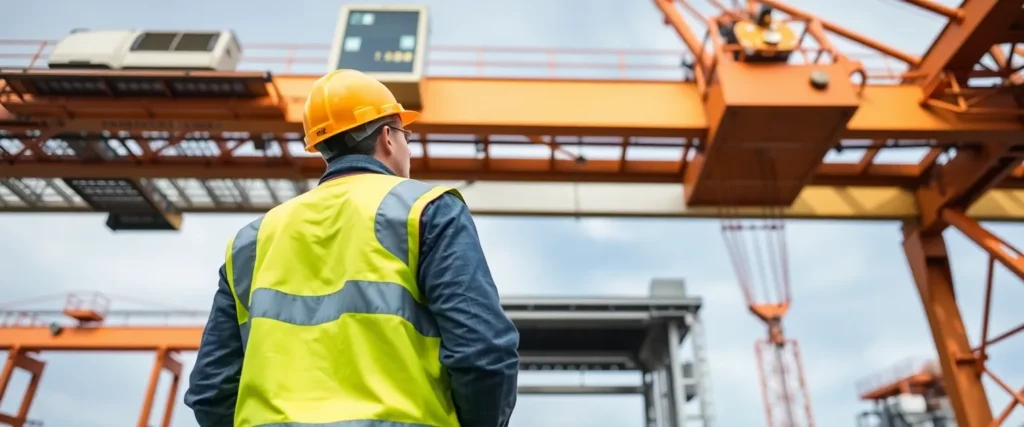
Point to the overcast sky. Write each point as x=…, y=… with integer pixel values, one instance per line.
x=855, y=308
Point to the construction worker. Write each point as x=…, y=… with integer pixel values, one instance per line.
x=365, y=302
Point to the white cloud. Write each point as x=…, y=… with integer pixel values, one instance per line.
x=603, y=229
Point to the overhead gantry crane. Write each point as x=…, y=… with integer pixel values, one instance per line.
x=769, y=95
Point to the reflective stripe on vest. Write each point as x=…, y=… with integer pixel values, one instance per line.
x=333, y=326
x=351, y=423
x=239, y=263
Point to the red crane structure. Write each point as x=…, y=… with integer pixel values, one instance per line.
x=765, y=96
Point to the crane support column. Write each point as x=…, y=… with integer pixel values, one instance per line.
x=675, y=372
x=19, y=358
x=650, y=396
x=929, y=263
x=164, y=361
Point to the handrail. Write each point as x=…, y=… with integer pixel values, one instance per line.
x=478, y=61
x=895, y=373
x=442, y=60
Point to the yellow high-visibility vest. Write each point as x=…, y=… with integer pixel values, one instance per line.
x=333, y=325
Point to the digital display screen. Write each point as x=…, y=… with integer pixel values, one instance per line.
x=376, y=41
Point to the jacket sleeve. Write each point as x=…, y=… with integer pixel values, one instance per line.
x=213, y=383
x=479, y=344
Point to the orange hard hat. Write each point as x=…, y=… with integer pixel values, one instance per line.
x=344, y=100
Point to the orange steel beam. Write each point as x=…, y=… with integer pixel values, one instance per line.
x=437, y=168
x=952, y=188
x=675, y=19
x=995, y=246
x=963, y=42
x=929, y=263
x=165, y=361
x=20, y=358
x=949, y=12
x=580, y=108
x=451, y=106
x=886, y=112
x=962, y=365
x=527, y=107
x=845, y=33
x=105, y=338
x=959, y=183
x=21, y=342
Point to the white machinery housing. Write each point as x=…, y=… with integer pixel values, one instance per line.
x=148, y=50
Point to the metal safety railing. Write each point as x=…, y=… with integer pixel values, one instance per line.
x=42, y=311
x=896, y=373
x=26, y=53
x=20, y=319
x=454, y=61
x=482, y=61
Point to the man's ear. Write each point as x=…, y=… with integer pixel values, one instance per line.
x=384, y=140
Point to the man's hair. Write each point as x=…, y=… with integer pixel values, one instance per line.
x=360, y=140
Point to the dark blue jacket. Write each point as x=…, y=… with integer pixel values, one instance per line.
x=478, y=341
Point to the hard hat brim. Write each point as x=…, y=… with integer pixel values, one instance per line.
x=408, y=116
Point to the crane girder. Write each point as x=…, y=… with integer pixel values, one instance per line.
x=627, y=111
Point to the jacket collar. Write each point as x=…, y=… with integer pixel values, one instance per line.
x=351, y=164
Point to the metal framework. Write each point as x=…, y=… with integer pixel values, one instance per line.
x=642, y=335
x=906, y=378
x=759, y=251
x=747, y=124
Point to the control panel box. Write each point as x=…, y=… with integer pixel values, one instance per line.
x=387, y=42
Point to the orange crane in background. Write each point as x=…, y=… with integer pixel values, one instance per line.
x=911, y=378
x=765, y=95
